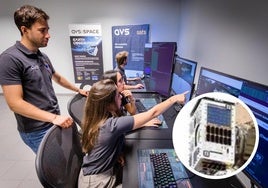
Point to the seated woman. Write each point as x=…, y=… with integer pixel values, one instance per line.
x=128, y=101
x=104, y=130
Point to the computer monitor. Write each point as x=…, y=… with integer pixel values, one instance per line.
x=256, y=96
x=183, y=77
x=162, y=61
x=253, y=94
x=212, y=80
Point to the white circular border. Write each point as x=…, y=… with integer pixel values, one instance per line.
x=180, y=136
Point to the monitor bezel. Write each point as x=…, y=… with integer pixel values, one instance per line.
x=227, y=75
x=214, y=71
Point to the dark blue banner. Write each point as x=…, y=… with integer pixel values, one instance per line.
x=131, y=38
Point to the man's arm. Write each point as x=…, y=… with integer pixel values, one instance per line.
x=14, y=98
x=66, y=84
x=133, y=79
x=129, y=87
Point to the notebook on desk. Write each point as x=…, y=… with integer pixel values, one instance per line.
x=151, y=174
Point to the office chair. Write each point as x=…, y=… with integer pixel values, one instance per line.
x=75, y=107
x=59, y=158
x=85, y=86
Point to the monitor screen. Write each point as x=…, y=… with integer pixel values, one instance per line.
x=162, y=61
x=253, y=94
x=183, y=77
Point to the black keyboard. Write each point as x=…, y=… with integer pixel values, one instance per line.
x=140, y=107
x=178, y=107
x=135, y=82
x=162, y=171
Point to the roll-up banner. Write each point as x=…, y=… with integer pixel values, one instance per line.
x=131, y=38
x=86, y=48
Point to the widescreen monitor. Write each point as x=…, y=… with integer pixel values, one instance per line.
x=162, y=61
x=253, y=94
x=183, y=77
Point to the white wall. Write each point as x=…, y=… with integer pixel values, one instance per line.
x=161, y=15
x=229, y=36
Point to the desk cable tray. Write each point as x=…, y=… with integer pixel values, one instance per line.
x=147, y=173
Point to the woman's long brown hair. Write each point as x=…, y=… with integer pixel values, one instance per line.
x=101, y=96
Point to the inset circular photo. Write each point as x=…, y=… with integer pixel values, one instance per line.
x=215, y=135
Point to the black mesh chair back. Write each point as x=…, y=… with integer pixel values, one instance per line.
x=75, y=107
x=59, y=158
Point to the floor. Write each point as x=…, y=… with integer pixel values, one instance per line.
x=17, y=161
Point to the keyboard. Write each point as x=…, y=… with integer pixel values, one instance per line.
x=135, y=82
x=178, y=107
x=162, y=171
x=139, y=105
x=140, y=95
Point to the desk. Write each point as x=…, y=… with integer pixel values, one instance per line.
x=157, y=138
x=130, y=173
x=155, y=132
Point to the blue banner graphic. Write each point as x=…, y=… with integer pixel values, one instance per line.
x=131, y=38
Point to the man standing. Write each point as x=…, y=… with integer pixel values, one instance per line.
x=26, y=76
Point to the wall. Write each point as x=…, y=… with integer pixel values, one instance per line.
x=161, y=15
x=229, y=36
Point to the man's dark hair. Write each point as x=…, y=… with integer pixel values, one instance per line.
x=27, y=15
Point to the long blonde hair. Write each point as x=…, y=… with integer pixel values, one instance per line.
x=101, y=96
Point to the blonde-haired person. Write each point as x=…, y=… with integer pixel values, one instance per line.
x=121, y=61
x=104, y=129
